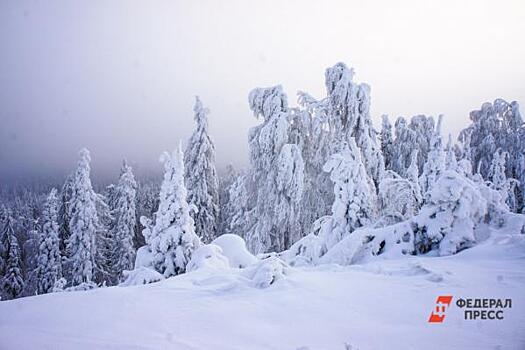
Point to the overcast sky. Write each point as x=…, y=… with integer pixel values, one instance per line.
x=119, y=77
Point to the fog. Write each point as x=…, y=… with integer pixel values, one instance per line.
x=119, y=77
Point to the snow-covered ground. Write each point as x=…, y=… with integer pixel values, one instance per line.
x=378, y=305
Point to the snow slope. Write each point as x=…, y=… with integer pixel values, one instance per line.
x=378, y=305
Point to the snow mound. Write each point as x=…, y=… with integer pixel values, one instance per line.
x=234, y=248
x=141, y=275
x=144, y=258
x=209, y=256
x=266, y=272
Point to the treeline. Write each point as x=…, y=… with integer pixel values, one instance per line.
x=320, y=169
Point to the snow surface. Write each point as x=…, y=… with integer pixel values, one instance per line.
x=383, y=304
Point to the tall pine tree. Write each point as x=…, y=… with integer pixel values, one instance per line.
x=83, y=223
x=49, y=264
x=171, y=238
x=201, y=176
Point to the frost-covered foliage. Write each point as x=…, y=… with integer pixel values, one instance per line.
x=277, y=173
x=171, y=237
x=238, y=207
x=83, y=223
x=499, y=182
x=399, y=198
x=105, y=257
x=497, y=126
x=446, y=224
x=387, y=142
x=290, y=187
x=124, y=213
x=63, y=213
x=226, y=180
x=451, y=162
x=49, y=264
x=455, y=206
x=416, y=135
x=349, y=109
x=354, y=204
x=12, y=281
x=435, y=164
x=201, y=176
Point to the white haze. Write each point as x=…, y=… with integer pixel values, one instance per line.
x=119, y=77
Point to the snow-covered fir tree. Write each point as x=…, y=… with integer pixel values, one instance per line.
x=63, y=214
x=435, y=163
x=12, y=281
x=290, y=187
x=171, y=238
x=266, y=142
x=105, y=257
x=499, y=181
x=451, y=162
x=497, y=125
x=399, y=198
x=201, y=176
x=238, y=207
x=124, y=214
x=454, y=208
x=83, y=224
x=226, y=180
x=354, y=205
x=49, y=261
x=387, y=141
x=349, y=109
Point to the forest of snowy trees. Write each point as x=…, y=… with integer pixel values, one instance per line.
x=323, y=185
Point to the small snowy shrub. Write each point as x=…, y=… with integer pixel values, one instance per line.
x=141, y=275
x=266, y=272
x=454, y=209
x=209, y=257
x=82, y=287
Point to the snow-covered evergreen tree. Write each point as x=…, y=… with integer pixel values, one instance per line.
x=349, y=110
x=454, y=208
x=290, y=187
x=413, y=177
x=201, y=176
x=171, y=238
x=49, y=262
x=435, y=163
x=12, y=281
x=451, y=162
x=226, y=181
x=83, y=224
x=387, y=141
x=105, y=257
x=124, y=214
x=499, y=182
x=267, y=148
x=63, y=214
x=497, y=125
x=238, y=207
x=398, y=198
x=354, y=205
